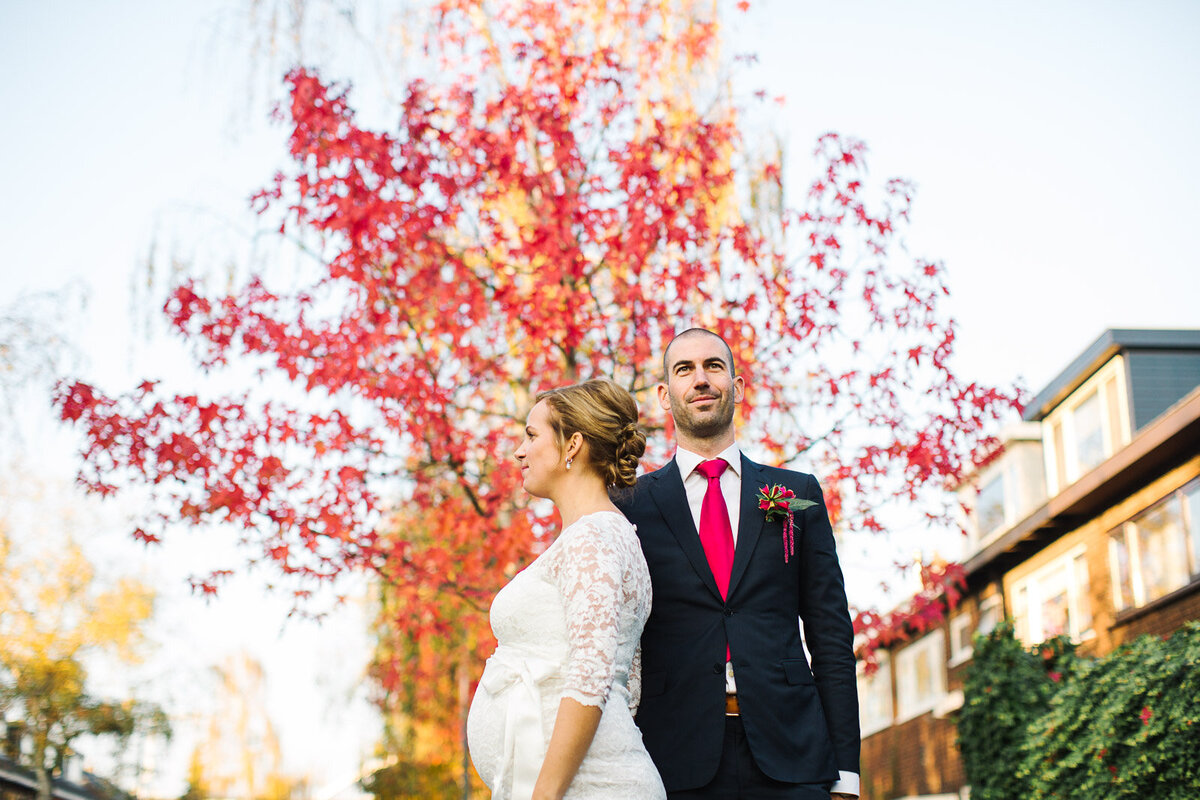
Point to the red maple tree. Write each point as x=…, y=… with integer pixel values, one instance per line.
x=567, y=189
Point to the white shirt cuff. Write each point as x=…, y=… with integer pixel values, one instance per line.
x=847, y=783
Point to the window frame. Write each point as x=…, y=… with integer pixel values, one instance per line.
x=961, y=652
x=999, y=481
x=878, y=683
x=1108, y=385
x=910, y=704
x=991, y=613
x=1032, y=630
x=1127, y=535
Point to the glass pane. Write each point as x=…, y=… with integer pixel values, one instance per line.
x=1089, y=433
x=1060, y=456
x=906, y=680
x=1162, y=548
x=961, y=631
x=1191, y=494
x=1056, y=604
x=876, y=696
x=1021, y=614
x=989, y=618
x=1056, y=614
x=924, y=676
x=1083, y=598
x=991, y=505
x=1118, y=551
x=1114, y=414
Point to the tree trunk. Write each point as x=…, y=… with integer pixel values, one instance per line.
x=43, y=779
x=463, y=708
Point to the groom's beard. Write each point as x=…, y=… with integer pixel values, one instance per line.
x=704, y=424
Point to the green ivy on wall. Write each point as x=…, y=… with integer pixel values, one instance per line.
x=1043, y=723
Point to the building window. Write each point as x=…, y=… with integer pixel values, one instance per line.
x=1089, y=433
x=875, y=697
x=1054, y=601
x=991, y=505
x=991, y=611
x=1060, y=454
x=1157, y=551
x=921, y=675
x=961, y=632
x=1088, y=427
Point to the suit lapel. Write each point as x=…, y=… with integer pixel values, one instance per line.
x=671, y=499
x=750, y=521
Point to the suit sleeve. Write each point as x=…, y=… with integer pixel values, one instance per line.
x=828, y=632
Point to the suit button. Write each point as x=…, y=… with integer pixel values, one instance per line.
x=718, y=669
x=728, y=611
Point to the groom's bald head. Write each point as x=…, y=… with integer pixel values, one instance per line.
x=692, y=333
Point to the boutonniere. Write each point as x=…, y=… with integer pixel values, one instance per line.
x=778, y=502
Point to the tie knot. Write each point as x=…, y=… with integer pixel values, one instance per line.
x=712, y=469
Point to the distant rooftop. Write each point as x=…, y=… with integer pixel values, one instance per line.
x=1111, y=342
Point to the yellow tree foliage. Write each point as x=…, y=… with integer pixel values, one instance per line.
x=54, y=613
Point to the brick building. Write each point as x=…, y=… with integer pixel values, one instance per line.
x=1088, y=525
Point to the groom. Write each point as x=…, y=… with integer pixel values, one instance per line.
x=730, y=706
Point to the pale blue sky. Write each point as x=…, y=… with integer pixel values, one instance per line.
x=1054, y=146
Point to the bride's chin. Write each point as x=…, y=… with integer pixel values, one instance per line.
x=533, y=491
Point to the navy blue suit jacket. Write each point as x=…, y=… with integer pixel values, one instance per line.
x=801, y=723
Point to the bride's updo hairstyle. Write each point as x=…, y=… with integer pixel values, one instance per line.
x=606, y=416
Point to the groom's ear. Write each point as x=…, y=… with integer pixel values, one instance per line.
x=664, y=398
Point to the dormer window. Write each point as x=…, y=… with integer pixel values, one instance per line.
x=1087, y=427
x=1007, y=489
x=991, y=505
x=1089, y=432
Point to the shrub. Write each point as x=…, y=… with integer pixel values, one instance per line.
x=1042, y=724
x=1126, y=725
x=1006, y=688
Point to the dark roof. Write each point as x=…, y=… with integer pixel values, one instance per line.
x=20, y=780
x=1111, y=342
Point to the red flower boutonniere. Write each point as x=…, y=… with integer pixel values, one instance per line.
x=778, y=502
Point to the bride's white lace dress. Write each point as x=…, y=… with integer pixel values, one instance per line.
x=568, y=625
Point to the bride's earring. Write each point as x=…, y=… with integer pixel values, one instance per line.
x=568, y=463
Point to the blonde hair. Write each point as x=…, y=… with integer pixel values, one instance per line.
x=606, y=416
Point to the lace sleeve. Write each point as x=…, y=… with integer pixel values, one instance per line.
x=588, y=572
x=635, y=681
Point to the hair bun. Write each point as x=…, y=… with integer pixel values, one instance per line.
x=631, y=445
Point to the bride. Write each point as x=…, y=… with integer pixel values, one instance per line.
x=553, y=714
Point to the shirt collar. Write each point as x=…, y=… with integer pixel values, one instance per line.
x=687, y=461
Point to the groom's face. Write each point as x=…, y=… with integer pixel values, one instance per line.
x=700, y=390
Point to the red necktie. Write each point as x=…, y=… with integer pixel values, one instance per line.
x=716, y=534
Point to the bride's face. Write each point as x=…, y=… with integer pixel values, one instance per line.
x=539, y=455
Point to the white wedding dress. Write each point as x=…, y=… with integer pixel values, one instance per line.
x=568, y=625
